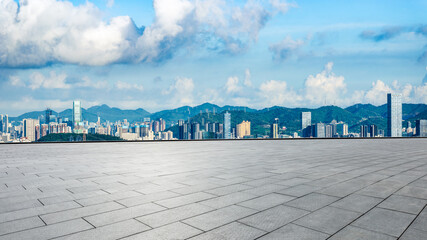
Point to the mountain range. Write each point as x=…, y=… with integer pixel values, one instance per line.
x=354, y=115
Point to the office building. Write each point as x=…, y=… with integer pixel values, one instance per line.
x=227, y=125
x=318, y=130
x=274, y=129
x=77, y=115
x=329, y=131
x=342, y=129
x=243, y=129
x=4, y=123
x=29, y=131
x=373, y=130
x=394, y=115
x=305, y=124
x=364, y=131
x=421, y=128
x=195, y=131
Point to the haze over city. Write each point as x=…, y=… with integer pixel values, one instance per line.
x=165, y=54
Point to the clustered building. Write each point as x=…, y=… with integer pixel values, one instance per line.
x=30, y=130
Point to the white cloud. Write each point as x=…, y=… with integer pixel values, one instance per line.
x=180, y=92
x=286, y=48
x=53, y=81
x=16, y=81
x=128, y=86
x=277, y=93
x=325, y=87
x=87, y=82
x=248, y=82
x=40, y=32
x=110, y=3
x=282, y=6
x=232, y=85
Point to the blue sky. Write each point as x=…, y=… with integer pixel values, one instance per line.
x=164, y=54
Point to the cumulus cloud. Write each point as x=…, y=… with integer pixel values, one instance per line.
x=325, y=87
x=286, y=48
x=86, y=82
x=232, y=85
x=40, y=32
x=110, y=3
x=277, y=93
x=128, y=86
x=180, y=92
x=53, y=81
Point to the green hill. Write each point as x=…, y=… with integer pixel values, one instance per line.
x=72, y=137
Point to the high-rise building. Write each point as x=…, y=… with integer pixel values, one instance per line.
x=227, y=125
x=364, y=131
x=329, y=131
x=373, y=130
x=77, y=113
x=195, y=131
x=305, y=123
x=342, y=129
x=394, y=115
x=421, y=128
x=274, y=129
x=243, y=129
x=318, y=130
x=4, y=123
x=29, y=130
x=183, y=131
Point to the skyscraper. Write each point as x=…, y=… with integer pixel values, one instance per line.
x=318, y=130
x=305, y=123
x=394, y=115
x=77, y=113
x=421, y=126
x=274, y=129
x=243, y=129
x=227, y=125
x=29, y=130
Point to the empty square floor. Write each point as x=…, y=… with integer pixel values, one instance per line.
x=257, y=189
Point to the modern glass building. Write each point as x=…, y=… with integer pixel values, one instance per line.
x=274, y=129
x=227, y=125
x=421, y=126
x=394, y=115
x=305, y=124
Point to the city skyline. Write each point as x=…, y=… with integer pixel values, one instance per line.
x=167, y=53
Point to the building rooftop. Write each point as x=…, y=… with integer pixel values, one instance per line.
x=296, y=189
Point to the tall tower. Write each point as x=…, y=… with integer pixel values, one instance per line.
x=274, y=129
x=394, y=115
x=77, y=113
x=30, y=129
x=227, y=125
x=305, y=124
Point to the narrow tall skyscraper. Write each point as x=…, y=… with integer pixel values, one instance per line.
x=227, y=125
x=274, y=129
x=77, y=112
x=394, y=115
x=305, y=124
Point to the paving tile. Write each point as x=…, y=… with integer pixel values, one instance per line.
x=351, y=233
x=404, y=204
x=227, y=200
x=267, y=201
x=24, y=213
x=312, y=201
x=19, y=225
x=294, y=232
x=327, y=220
x=413, y=234
x=219, y=217
x=79, y=212
x=113, y=231
x=357, y=203
x=185, y=199
x=133, y=201
x=231, y=231
x=108, y=217
x=107, y=198
x=385, y=221
x=420, y=222
x=416, y=192
x=174, y=231
x=273, y=218
x=229, y=189
x=299, y=191
x=50, y=231
x=173, y=215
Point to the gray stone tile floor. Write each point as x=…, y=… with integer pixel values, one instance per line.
x=297, y=189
